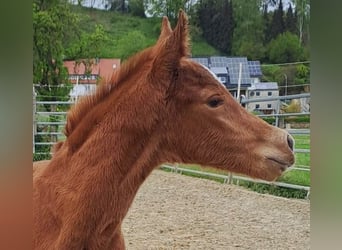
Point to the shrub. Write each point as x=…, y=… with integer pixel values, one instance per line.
x=269, y=120
x=302, y=74
x=294, y=107
x=275, y=190
x=40, y=157
x=298, y=119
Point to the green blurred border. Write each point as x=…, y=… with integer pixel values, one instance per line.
x=15, y=125
x=326, y=148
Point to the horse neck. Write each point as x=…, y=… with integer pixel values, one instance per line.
x=117, y=157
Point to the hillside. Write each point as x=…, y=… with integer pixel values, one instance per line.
x=128, y=34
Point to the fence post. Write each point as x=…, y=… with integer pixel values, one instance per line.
x=53, y=118
x=277, y=112
x=230, y=178
x=34, y=127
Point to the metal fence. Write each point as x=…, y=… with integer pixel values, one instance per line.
x=49, y=119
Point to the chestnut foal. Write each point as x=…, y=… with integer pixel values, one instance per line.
x=160, y=106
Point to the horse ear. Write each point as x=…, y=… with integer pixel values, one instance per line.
x=166, y=30
x=171, y=47
x=181, y=34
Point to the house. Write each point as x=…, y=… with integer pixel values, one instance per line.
x=263, y=90
x=86, y=73
x=233, y=71
x=221, y=73
x=255, y=71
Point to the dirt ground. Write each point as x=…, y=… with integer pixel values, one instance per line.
x=172, y=211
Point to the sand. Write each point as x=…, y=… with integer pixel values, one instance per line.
x=173, y=211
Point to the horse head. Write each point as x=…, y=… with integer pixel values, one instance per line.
x=204, y=124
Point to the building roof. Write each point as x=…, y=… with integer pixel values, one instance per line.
x=202, y=60
x=254, y=68
x=231, y=67
x=264, y=86
x=219, y=70
x=233, y=64
x=102, y=68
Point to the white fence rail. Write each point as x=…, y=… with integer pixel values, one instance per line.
x=48, y=128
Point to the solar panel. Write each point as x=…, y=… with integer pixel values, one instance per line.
x=202, y=60
x=221, y=73
x=219, y=70
x=233, y=64
x=218, y=61
x=254, y=68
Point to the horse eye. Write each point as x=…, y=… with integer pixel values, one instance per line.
x=213, y=103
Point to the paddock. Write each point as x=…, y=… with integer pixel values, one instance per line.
x=173, y=211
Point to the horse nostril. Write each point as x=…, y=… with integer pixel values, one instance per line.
x=290, y=142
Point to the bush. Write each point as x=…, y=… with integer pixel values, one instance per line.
x=40, y=157
x=302, y=74
x=298, y=119
x=294, y=107
x=275, y=190
x=269, y=120
x=272, y=73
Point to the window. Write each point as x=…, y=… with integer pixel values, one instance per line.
x=223, y=79
x=257, y=106
x=269, y=106
x=269, y=93
x=251, y=94
x=257, y=93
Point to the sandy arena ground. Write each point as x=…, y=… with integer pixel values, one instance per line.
x=172, y=211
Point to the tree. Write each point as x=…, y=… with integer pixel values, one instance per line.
x=290, y=21
x=53, y=26
x=266, y=18
x=285, y=48
x=226, y=27
x=88, y=47
x=254, y=51
x=137, y=8
x=217, y=23
x=206, y=12
x=117, y=5
x=169, y=8
x=266, y=3
x=248, y=32
x=277, y=24
x=303, y=15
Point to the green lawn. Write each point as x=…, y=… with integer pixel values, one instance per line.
x=129, y=34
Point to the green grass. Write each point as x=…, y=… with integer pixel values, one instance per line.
x=302, y=141
x=298, y=177
x=120, y=27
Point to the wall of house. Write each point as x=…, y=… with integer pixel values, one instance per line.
x=79, y=90
x=254, y=94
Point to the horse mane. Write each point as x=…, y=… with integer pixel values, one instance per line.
x=171, y=46
x=85, y=104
